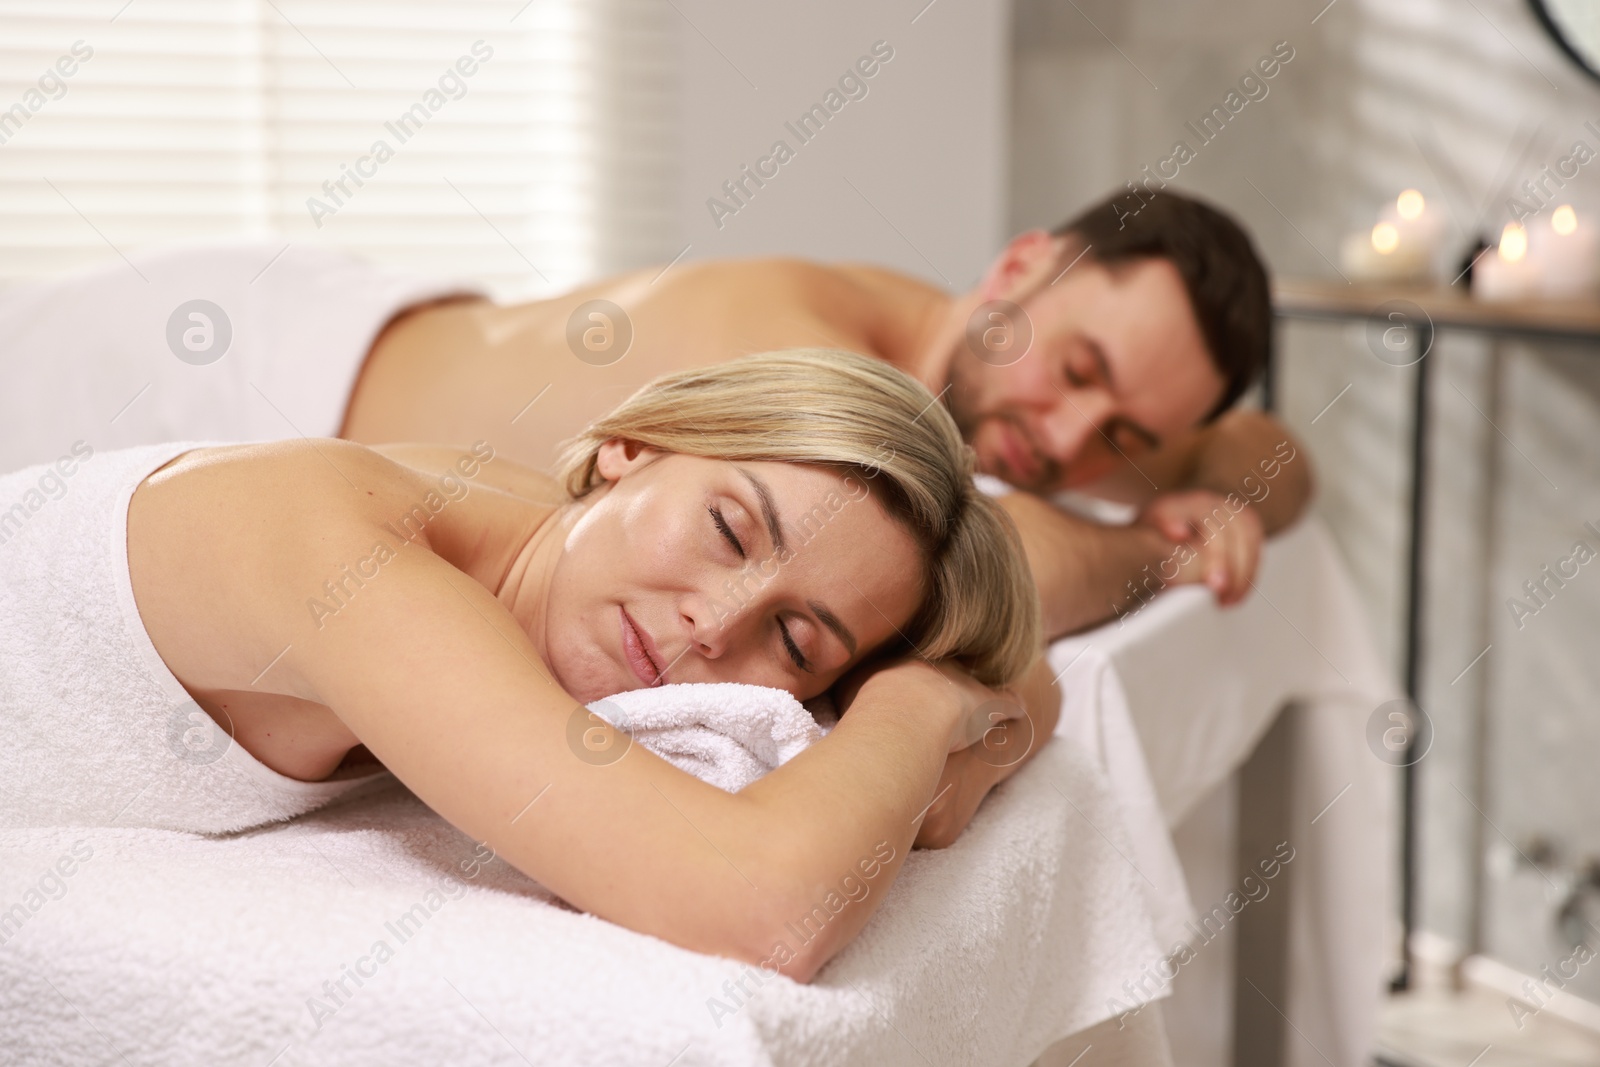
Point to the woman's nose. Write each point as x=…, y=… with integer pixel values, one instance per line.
x=710, y=621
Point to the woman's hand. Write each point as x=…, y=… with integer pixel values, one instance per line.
x=992, y=732
x=969, y=710
x=972, y=771
x=962, y=787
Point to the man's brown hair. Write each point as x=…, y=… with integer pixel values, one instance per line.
x=1221, y=271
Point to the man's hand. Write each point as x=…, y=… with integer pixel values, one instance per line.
x=1212, y=543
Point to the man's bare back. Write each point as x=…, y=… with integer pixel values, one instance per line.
x=470, y=369
x=1106, y=390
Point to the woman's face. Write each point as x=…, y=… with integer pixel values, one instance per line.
x=698, y=570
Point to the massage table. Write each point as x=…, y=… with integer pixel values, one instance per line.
x=1254, y=720
x=158, y=947
x=1028, y=941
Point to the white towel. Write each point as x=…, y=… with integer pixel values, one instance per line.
x=113, y=357
x=94, y=728
x=723, y=733
x=159, y=947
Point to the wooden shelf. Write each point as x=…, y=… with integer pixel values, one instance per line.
x=1446, y=307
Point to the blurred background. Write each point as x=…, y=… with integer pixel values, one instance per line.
x=593, y=136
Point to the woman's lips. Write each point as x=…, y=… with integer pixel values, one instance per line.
x=635, y=648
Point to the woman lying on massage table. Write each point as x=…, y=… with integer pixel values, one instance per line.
x=775, y=521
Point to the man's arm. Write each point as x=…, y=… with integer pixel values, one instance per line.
x=1206, y=505
x=1253, y=454
x=1246, y=452
x=1083, y=568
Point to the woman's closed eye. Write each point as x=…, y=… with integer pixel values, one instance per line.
x=726, y=530
x=793, y=649
x=789, y=646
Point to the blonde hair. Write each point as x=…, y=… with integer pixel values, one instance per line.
x=837, y=409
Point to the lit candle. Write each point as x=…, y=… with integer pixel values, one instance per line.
x=1507, y=273
x=1402, y=247
x=1385, y=238
x=1420, y=230
x=1567, y=251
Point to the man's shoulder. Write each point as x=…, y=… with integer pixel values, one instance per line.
x=728, y=278
x=747, y=266
x=818, y=273
x=879, y=278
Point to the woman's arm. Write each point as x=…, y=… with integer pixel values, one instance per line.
x=439, y=683
x=437, y=680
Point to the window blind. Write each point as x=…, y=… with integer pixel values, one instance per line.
x=528, y=146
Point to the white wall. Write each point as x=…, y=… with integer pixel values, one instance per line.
x=926, y=147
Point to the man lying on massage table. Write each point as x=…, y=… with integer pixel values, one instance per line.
x=1136, y=333
x=1101, y=358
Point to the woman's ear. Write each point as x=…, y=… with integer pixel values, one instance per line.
x=617, y=457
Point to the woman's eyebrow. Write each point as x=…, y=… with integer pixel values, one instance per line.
x=834, y=623
x=769, y=513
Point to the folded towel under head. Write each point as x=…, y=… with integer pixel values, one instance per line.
x=722, y=732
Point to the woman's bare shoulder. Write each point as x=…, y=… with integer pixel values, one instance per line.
x=315, y=489
x=225, y=543
x=229, y=543
x=477, y=464
x=326, y=476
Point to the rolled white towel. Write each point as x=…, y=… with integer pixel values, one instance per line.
x=721, y=732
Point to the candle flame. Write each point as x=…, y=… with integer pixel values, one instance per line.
x=1513, y=242
x=1385, y=238
x=1410, y=204
x=1565, y=220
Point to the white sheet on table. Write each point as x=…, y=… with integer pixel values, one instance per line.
x=1201, y=685
x=190, y=950
x=1095, y=716
x=91, y=355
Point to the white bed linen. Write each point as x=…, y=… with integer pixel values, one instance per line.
x=1202, y=684
x=169, y=948
x=281, y=333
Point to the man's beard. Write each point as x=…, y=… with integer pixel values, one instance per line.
x=958, y=388
x=961, y=386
